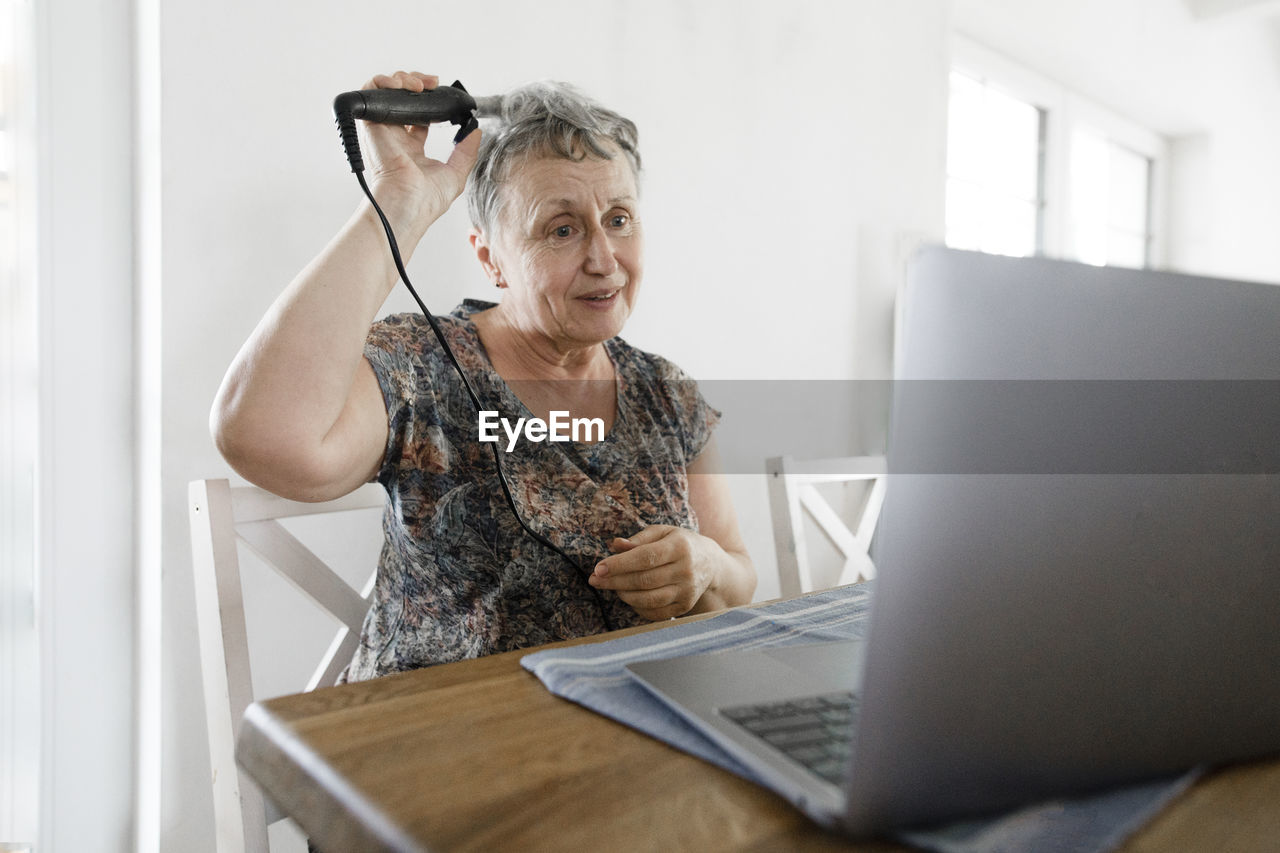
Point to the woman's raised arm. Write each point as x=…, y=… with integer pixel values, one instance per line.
x=299, y=411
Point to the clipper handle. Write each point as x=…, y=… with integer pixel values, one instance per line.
x=400, y=106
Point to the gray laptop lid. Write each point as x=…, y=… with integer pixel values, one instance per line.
x=1080, y=545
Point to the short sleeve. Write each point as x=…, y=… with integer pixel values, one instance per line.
x=393, y=350
x=696, y=418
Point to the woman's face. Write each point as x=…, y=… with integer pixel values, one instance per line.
x=569, y=248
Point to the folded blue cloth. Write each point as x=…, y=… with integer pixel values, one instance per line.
x=592, y=675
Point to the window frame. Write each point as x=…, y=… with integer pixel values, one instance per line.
x=1085, y=114
x=1065, y=111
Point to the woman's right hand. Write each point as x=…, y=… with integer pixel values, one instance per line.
x=409, y=185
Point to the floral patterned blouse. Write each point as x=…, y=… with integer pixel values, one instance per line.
x=458, y=578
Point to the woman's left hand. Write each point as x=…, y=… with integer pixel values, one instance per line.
x=662, y=571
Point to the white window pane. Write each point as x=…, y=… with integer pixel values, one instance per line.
x=993, y=170
x=964, y=215
x=1009, y=227
x=1089, y=243
x=1013, y=145
x=1110, y=200
x=1126, y=249
x=1090, y=177
x=966, y=155
x=1130, y=174
x=1090, y=197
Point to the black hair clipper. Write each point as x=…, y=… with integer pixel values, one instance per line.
x=400, y=106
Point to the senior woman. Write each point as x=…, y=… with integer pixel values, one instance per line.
x=321, y=399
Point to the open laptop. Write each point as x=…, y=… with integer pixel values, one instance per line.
x=1078, y=557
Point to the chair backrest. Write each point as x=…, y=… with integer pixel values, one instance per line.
x=221, y=516
x=793, y=494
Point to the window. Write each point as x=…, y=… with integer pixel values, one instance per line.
x=1110, y=202
x=995, y=172
x=1035, y=169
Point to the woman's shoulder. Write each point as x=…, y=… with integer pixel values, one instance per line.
x=644, y=364
x=656, y=381
x=413, y=322
x=410, y=334
x=667, y=395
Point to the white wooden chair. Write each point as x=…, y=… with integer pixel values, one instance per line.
x=793, y=494
x=220, y=515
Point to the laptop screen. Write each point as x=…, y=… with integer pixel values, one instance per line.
x=1080, y=533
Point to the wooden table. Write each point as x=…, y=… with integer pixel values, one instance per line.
x=479, y=756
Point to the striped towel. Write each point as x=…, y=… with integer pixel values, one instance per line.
x=593, y=675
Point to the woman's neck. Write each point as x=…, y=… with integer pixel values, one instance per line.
x=536, y=372
x=519, y=353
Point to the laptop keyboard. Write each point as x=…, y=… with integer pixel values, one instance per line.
x=816, y=731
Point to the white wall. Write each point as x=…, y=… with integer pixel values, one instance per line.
x=786, y=148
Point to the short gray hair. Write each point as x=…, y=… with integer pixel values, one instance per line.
x=543, y=119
